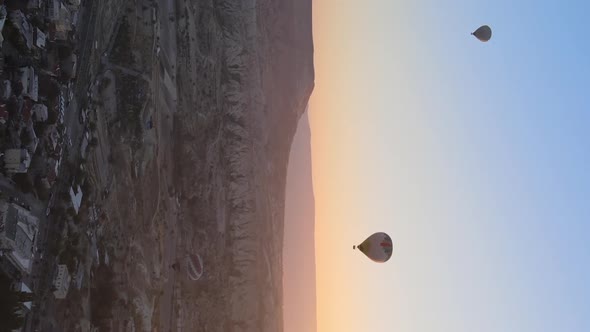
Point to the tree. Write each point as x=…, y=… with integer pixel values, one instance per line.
x=92, y=126
x=65, y=196
x=40, y=128
x=42, y=191
x=71, y=211
x=23, y=182
x=93, y=142
x=25, y=138
x=48, y=87
x=103, y=295
x=59, y=212
x=86, y=187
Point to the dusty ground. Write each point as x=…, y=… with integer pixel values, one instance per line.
x=135, y=163
x=204, y=92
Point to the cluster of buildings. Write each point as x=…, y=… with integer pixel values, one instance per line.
x=19, y=230
x=18, y=237
x=37, y=67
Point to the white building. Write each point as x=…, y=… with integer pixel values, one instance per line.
x=20, y=22
x=61, y=282
x=53, y=9
x=5, y=89
x=3, y=15
x=17, y=160
x=30, y=83
x=76, y=197
x=74, y=3
x=60, y=15
x=39, y=112
x=68, y=65
x=40, y=38
x=22, y=287
x=18, y=233
x=83, y=148
x=35, y=5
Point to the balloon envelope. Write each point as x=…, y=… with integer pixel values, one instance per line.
x=483, y=33
x=378, y=247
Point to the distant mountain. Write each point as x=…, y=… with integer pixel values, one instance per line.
x=299, y=277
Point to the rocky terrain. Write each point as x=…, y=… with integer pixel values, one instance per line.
x=232, y=144
x=199, y=103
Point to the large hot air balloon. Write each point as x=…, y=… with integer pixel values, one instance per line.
x=378, y=247
x=483, y=33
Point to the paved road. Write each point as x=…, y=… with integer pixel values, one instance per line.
x=167, y=53
x=86, y=43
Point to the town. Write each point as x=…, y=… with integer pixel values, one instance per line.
x=47, y=207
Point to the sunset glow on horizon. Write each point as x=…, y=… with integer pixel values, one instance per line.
x=470, y=155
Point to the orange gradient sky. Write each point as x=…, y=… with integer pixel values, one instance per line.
x=462, y=152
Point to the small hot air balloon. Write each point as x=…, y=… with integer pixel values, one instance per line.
x=483, y=33
x=378, y=247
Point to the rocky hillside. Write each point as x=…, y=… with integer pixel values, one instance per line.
x=244, y=80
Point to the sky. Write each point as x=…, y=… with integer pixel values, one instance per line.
x=299, y=274
x=472, y=156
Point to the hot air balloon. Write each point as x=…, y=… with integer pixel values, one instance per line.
x=483, y=33
x=378, y=247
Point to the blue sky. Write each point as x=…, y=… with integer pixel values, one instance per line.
x=474, y=156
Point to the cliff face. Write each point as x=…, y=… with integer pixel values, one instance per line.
x=233, y=140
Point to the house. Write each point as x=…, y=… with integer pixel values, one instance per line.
x=26, y=111
x=21, y=286
x=73, y=4
x=17, y=160
x=3, y=114
x=33, y=139
x=40, y=38
x=79, y=276
x=61, y=282
x=29, y=81
x=53, y=7
x=18, y=234
x=76, y=197
x=34, y=5
x=83, y=148
x=68, y=66
x=52, y=137
x=53, y=171
x=3, y=15
x=61, y=18
x=39, y=112
x=5, y=90
x=24, y=28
